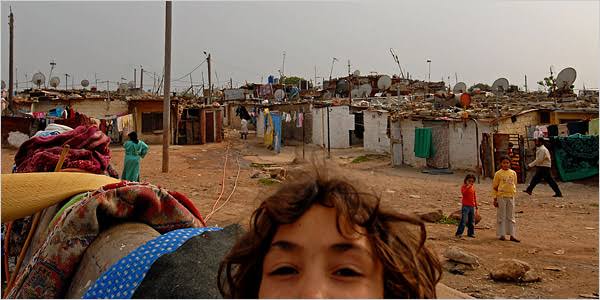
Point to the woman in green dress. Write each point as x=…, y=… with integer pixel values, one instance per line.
x=135, y=150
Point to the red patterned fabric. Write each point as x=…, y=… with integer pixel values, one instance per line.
x=89, y=151
x=50, y=271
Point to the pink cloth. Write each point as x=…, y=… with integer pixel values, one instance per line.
x=89, y=151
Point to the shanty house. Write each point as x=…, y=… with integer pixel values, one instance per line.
x=376, y=133
x=148, y=118
x=334, y=126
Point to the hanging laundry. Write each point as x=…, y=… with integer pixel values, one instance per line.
x=552, y=130
x=300, y=120
x=423, y=142
x=563, y=130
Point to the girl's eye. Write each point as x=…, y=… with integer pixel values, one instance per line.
x=346, y=272
x=282, y=271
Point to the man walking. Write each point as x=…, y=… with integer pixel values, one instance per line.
x=542, y=162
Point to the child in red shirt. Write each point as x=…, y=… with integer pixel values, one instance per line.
x=469, y=207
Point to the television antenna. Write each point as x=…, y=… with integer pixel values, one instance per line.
x=331, y=72
x=52, y=65
x=397, y=61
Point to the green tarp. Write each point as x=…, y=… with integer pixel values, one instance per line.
x=423, y=144
x=576, y=156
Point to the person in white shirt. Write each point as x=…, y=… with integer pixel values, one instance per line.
x=244, y=130
x=542, y=162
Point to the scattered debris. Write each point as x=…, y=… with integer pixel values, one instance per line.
x=268, y=181
x=590, y=228
x=512, y=270
x=559, y=252
x=459, y=255
x=533, y=251
x=432, y=216
x=589, y=296
x=553, y=268
x=415, y=196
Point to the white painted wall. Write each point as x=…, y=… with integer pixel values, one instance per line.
x=340, y=123
x=463, y=148
x=375, y=136
x=407, y=127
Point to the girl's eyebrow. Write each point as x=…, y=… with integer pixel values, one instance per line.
x=343, y=247
x=285, y=245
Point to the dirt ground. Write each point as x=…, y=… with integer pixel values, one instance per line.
x=544, y=224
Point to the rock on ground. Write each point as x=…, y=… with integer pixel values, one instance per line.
x=432, y=216
x=459, y=255
x=456, y=215
x=510, y=270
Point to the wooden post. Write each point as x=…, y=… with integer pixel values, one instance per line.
x=167, y=90
x=11, y=25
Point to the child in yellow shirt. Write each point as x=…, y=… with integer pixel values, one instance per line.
x=504, y=190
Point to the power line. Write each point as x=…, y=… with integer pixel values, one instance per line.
x=188, y=74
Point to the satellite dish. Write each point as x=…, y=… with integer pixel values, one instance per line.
x=85, y=83
x=279, y=95
x=3, y=84
x=54, y=82
x=565, y=78
x=460, y=87
x=384, y=82
x=342, y=86
x=131, y=85
x=500, y=85
x=365, y=90
x=356, y=73
x=123, y=87
x=38, y=78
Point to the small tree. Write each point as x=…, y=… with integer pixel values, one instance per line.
x=482, y=86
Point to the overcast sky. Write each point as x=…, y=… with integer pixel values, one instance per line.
x=478, y=40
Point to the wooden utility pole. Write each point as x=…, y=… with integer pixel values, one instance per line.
x=230, y=82
x=142, y=78
x=525, y=82
x=167, y=90
x=11, y=26
x=134, y=77
x=209, y=80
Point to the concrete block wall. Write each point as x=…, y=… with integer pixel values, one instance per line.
x=340, y=123
x=518, y=127
x=375, y=136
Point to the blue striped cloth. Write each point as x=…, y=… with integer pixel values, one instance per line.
x=121, y=280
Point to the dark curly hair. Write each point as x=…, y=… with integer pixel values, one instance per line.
x=411, y=270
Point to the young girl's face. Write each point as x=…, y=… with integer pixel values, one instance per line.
x=470, y=181
x=311, y=259
x=505, y=164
